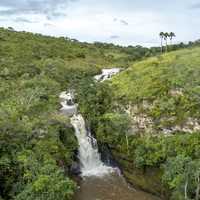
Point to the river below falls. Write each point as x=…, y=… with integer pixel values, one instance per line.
x=109, y=187
x=100, y=182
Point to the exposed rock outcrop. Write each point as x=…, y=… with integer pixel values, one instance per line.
x=141, y=123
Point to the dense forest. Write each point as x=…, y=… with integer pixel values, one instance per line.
x=37, y=143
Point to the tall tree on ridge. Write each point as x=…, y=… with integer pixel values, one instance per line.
x=161, y=38
x=166, y=35
x=171, y=36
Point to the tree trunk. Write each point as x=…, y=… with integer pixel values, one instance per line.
x=166, y=46
x=197, y=189
x=161, y=45
x=127, y=144
x=185, y=189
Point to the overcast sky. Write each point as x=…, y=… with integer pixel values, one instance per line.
x=124, y=22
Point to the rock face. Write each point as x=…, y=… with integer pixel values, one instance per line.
x=148, y=180
x=141, y=123
x=75, y=168
x=176, y=92
x=190, y=126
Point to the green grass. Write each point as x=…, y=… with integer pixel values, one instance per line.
x=154, y=80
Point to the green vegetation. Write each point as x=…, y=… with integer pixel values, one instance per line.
x=37, y=144
x=169, y=84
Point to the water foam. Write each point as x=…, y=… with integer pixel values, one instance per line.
x=91, y=164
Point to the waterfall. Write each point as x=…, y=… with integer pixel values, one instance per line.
x=107, y=74
x=89, y=157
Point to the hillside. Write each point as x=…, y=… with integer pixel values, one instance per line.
x=152, y=123
x=156, y=96
x=37, y=144
x=162, y=94
x=29, y=48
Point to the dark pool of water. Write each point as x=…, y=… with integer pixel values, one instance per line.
x=109, y=187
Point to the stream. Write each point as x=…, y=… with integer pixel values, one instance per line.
x=98, y=181
x=109, y=187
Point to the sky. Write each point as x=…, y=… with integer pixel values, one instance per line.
x=123, y=22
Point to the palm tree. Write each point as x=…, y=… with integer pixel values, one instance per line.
x=161, y=38
x=166, y=35
x=171, y=36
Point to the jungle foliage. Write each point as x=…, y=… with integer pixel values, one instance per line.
x=37, y=144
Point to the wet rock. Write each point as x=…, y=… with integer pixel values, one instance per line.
x=75, y=168
x=106, y=155
x=69, y=108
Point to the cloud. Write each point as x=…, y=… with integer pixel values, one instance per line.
x=24, y=20
x=8, y=12
x=49, y=8
x=194, y=6
x=55, y=15
x=114, y=36
x=136, y=22
x=49, y=25
x=121, y=21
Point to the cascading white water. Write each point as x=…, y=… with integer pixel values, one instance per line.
x=112, y=186
x=90, y=161
x=107, y=74
x=91, y=164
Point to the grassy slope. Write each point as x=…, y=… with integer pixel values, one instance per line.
x=154, y=79
x=28, y=47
